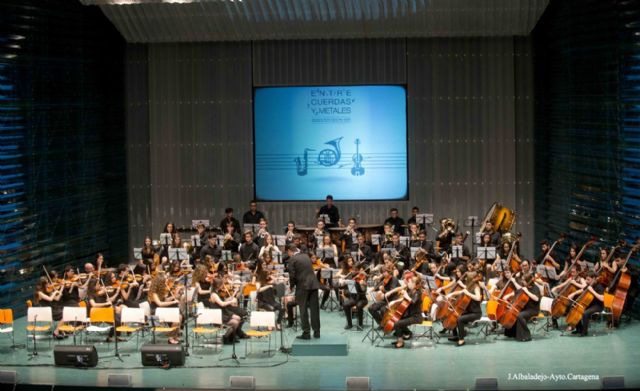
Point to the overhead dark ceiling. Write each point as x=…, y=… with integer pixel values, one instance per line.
x=245, y=20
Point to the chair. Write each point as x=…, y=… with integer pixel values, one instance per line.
x=102, y=320
x=488, y=321
x=6, y=325
x=167, y=315
x=259, y=321
x=39, y=320
x=132, y=321
x=427, y=330
x=607, y=311
x=207, y=318
x=73, y=320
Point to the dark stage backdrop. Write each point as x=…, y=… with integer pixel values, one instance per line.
x=62, y=155
x=189, y=125
x=587, y=122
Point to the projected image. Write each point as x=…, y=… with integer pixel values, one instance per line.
x=348, y=141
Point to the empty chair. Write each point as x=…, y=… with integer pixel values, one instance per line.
x=102, y=320
x=73, y=320
x=132, y=320
x=39, y=321
x=262, y=324
x=6, y=325
x=208, y=324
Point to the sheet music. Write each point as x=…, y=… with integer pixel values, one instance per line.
x=325, y=218
x=137, y=253
x=280, y=240
x=375, y=239
x=414, y=251
x=194, y=223
x=486, y=252
x=424, y=218
x=404, y=240
x=456, y=251
x=226, y=255
x=195, y=240
x=165, y=239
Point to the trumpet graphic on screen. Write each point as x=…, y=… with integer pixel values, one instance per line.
x=302, y=165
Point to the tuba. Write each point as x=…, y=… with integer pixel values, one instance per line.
x=502, y=219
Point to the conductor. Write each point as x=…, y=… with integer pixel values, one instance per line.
x=302, y=277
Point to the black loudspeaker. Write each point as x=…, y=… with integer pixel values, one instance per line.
x=75, y=355
x=613, y=383
x=486, y=383
x=162, y=355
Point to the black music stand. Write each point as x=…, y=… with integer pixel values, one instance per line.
x=375, y=333
x=34, y=353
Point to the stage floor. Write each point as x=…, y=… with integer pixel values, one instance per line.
x=439, y=366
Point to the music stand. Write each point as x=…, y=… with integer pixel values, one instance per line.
x=456, y=252
x=414, y=251
x=220, y=240
x=165, y=239
x=375, y=239
x=404, y=240
x=251, y=227
x=548, y=272
x=328, y=275
x=501, y=265
x=424, y=219
x=280, y=240
x=226, y=255
x=195, y=241
x=486, y=252
x=137, y=253
x=195, y=223
x=277, y=256
x=325, y=218
x=179, y=254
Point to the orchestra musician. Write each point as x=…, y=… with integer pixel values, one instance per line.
x=253, y=215
x=395, y=221
x=169, y=228
x=269, y=247
x=290, y=233
x=70, y=293
x=350, y=235
x=130, y=289
x=266, y=296
x=357, y=299
x=570, y=275
x=363, y=251
x=328, y=251
x=248, y=250
x=231, y=239
x=412, y=292
x=202, y=234
x=520, y=331
x=414, y=217
x=148, y=251
x=386, y=291
x=263, y=232
x=229, y=219
x=545, y=256
x=400, y=253
x=597, y=305
x=473, y=312
x=48, y=295
x=211, y=248
x=297, y=242
x=330, y=210
x=160, y=296
x=606, y=267
x=454, y=262
x=230, y=317
x=106, y=295
x=488, y=229
x=201, y=281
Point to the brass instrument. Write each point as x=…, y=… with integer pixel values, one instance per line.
x=447, y=225
x=502, y=219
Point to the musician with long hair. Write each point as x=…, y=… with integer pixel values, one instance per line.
x=160, y=296
x=229, y=318
x=473, y=312
x=266, y=297
x=520, y=331
x=597, y=305
x=46, y=295
x=413, y=314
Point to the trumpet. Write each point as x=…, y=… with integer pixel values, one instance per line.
x=447, y=225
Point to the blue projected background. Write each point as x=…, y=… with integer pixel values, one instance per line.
x=348, y=141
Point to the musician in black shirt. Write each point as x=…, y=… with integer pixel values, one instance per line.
x=229, y=219
x=413, y=314
x=331, y=210
x=414, y=216
x=400, y=253
x=520, y=331
x=253, y=215
x=455, y=261
x=495, y=236
x=395, y=221
x=597, y=304
x=363, y=251
x=388, y=286
x=211, y=248
x=249, y=250
x=349, y=236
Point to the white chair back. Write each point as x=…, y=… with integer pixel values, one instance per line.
x=146, y=308
x=74, y=314
x=191, y=294
x=39, y=314
x=433, y=312
x=492, y=282
x=168, y=314
x=263, y=319
x=132, y=315
x=209, y=316
x=545, y=304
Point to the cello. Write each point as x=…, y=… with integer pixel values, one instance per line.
x=605, y=277
x=559, y=240
x=394, y=314
x=457, y=308
x=624, y=281
x=517, y=304
x=580, y=305
x=499, y=302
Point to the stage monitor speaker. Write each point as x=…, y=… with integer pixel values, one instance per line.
x=162, y=355
x=613, y=383
x=242, y=383
x=75, y=355
x=486, y=383
x=358, y=383
x=8, y=377
x=116, y=380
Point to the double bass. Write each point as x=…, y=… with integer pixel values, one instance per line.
x=553, y=245
x=605, y=277
x=624, y=281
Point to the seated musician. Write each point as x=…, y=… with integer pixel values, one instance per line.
x=632, y=291
x=414, y=231
x=421, y=264
x=386, y=290
x=262, y=233
x=202, y=234
x=400, y=253
x=148, y=251
x=290, y=233
x=606, y=268
x=520, y=331
x=160, y=296
x=201, y=281
x=545, y=257
x=105, y=295
x=266, y=296
x=357, y=299
x=230, y=318
x=414, y=217
x=211, y=248
x=249, y=250
x=70, y=294
x=229, y=219
x=169, y=228
x=412, y=292
x=597, y=304
x=46, y=295
x=494, y=236
x=363, y=250
x=473, y=312
x=454, y=262
x=570, y=275
x=231, y=239
x=387, y=235
x=350, y=236
x=269, y=247
x=130, y=291
x=502, y=254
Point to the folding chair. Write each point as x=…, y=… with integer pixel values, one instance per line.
x=258, y=321
x=102, y=320
x=169, y=315
x=208, y=321
x=132, y=321
x=73, y=320
x=6, y=325
x=39, y=320
x=146, y=308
